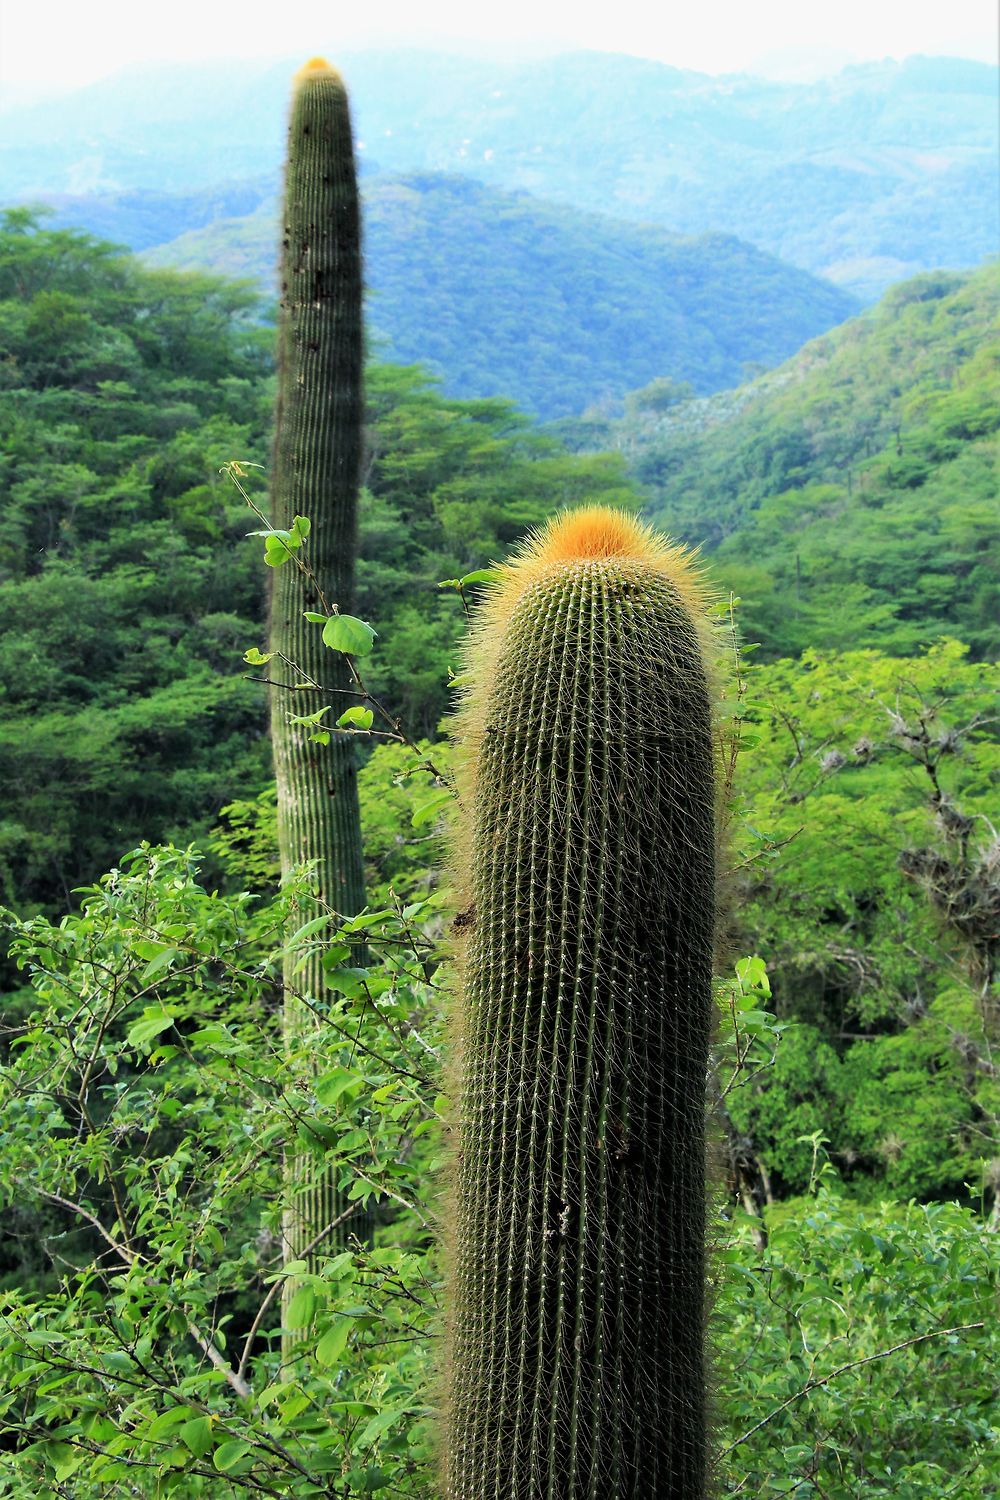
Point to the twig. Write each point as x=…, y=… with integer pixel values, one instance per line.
x=854, y=1364
x=277, y=1285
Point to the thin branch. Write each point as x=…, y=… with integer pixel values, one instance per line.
x=277, y=1285
x=127, y=1256
x=854, y=1364
x=207, y=1348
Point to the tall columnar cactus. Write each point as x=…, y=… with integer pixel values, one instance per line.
x=315, y=474
x=576, y=1323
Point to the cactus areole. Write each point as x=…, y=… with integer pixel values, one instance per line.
x=575, y=1362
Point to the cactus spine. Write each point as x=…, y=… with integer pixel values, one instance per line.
x=575, y=1362
x=316, y=467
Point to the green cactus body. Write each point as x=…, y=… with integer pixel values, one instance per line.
x=316, y=468
x=576, y=1325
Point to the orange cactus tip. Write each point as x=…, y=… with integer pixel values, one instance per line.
x=593, y=531
x=314, y=70
x=592, y=534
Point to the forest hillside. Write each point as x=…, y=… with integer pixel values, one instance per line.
x=850, y=496
x=151, y=1095
x=497, y=292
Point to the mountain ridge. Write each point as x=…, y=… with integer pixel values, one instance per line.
x=601, y=132
x=500, y=293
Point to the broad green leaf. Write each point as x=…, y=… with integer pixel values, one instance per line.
x=349, y=982
x=66, y=1458
x=296, y=1401
x=366, y=1481
x=348, y=633
x=334, y=1084
x=197, y=1434
x=301, y=1308
x=333, y=1343
x=158, y=964
x=257, y=658
x=152, y=1023
x=308, y=930
x=167, y=1421
x=278, y=548
x=314, y=618
x=356, y=718
x=380, y=1423
x=228, y=1455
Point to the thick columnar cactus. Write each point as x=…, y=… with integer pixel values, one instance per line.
x=576, y=1323
x=315, y=474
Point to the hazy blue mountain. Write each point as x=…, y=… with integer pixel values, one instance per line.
x=883, y=170
x=141, y=218
x=502, y=294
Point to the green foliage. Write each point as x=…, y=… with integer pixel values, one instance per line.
x=857, y=765
x=128, y=595
x=848, y=497
x=126, y=591
x=150, y=1099
x=857, y=1354
x=148, y=1087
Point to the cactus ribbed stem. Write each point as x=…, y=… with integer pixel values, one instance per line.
x=316, y=467
x=576, y=1324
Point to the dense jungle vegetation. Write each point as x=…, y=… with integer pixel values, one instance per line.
x=147, y=1097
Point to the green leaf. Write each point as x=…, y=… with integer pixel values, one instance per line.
x=332, y=1085
x=356, y=718
x=367, y=1480
x=307, y=930
x=752, y=974
x=166, y=1422
x=314, y=618
x=429, y=810
x=154, y=1020
x=349, y=982
x=278, y=548
x=197, y=1434
x=313, y=718
x=213, y=1238
x=157, y=964
x=301, y=1308
x=66, y=1459
x=380, y=1423
x=347, y=633
x=228, y=1455
x=333, y=1343
x=301, y=527
x=482, y=575
x=257, y=658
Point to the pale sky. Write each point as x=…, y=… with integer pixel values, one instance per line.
x=64, y=43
